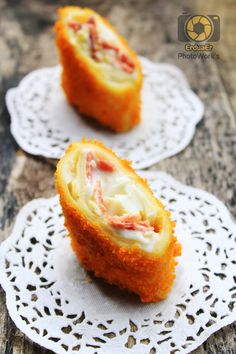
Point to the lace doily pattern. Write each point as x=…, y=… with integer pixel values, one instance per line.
x=60, y=306
x=43, y=123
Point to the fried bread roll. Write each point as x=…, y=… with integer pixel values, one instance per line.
x=101, y=75
x=118, y=229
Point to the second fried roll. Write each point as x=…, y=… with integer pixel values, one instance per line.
x=119, y=230
x=101, y=75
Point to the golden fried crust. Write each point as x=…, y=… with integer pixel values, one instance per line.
x=146, y=274
x=117, y=109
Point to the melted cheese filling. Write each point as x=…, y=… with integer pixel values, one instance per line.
x=121, y=196
x=107, y=65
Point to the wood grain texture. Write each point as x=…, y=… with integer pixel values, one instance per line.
x=27, y=43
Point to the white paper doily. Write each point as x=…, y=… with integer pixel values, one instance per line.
x=43, y=123
x=56, y=304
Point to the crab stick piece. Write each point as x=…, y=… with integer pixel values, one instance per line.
x=119, y=230
x=101, y=75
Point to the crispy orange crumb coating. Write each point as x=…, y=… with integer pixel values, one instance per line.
x=117, y=106
x=147, y=274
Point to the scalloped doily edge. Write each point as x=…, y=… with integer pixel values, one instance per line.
x=14, y=127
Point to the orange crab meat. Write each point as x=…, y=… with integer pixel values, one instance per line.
x=104, y=165
x=99, y=196
x=130, y=222
x=89, y=160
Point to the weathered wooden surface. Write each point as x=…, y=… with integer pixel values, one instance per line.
x=26, y=43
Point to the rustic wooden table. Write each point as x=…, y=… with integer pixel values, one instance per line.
x=209, y=162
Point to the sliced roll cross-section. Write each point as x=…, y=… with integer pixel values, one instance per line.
x=118, y=229
x=101, y=75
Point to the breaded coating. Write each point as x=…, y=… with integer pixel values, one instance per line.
x=147, y=273
x=101, y=79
